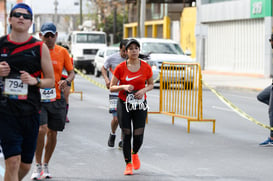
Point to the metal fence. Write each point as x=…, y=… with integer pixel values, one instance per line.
x=181, y=92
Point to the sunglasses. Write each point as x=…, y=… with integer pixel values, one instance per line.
x=47, y=35
x=18, y=15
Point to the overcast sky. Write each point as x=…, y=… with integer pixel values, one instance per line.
x=64, y=6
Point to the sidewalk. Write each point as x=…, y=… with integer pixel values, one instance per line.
x=235, y=81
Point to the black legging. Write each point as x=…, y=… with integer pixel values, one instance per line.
x=125, y=118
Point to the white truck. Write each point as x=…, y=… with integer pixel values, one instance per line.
x=164, y=50
x=83, y=46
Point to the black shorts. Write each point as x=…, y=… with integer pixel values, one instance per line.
x=126, y=115
x=18, y=136
x=54, y=114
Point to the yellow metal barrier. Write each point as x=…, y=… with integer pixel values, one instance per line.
x=72, y=89
x=181, y=92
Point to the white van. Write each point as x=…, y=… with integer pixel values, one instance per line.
x=84, y=46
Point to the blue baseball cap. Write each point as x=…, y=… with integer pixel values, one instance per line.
x=21, y=5
x=48, y=28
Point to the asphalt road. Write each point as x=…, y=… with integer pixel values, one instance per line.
x=168, y=153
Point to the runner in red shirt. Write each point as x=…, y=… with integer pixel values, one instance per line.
x=132, y=75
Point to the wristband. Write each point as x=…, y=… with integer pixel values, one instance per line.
x=38, y=81
x=68, y=83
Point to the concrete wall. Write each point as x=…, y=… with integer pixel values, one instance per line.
x=225, y=11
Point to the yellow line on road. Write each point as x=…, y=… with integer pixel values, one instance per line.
x=90, y=79
x=235, y=108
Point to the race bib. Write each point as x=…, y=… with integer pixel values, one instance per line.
x=15, y=89
x=132, y=100
x=113, y=99
x=48, y=94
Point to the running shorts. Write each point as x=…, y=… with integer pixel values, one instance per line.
x=18, y=136
x=54, y=114
x=137, y=116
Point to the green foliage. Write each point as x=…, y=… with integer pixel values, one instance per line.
x=108, y=26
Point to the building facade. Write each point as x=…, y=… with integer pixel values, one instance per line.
x=232, y=36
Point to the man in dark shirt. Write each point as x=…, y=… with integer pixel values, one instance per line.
x=22, y=60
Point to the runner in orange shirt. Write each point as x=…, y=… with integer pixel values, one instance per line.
x=53, y=111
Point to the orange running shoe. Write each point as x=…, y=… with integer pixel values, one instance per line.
x=136, y=162
x=128, y=169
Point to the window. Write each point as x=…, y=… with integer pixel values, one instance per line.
x=90, y=38
x=163, y=48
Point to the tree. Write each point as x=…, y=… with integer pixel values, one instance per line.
x=105, y=12
x=108, y=26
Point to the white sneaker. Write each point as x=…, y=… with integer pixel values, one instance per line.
x=45, y=173
x=36, y=175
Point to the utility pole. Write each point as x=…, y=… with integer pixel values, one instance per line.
x=115, y=22
x=142, y=18
x=123, y=5
x=138, y=18
x=81, y=12
x=141, y=8
x=56, y=12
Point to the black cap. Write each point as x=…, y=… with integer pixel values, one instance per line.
x=130, y=42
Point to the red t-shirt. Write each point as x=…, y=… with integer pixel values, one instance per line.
x=137, y=79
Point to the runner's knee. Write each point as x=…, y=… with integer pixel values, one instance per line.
x=25, y=167
x=43, y=129
x=13, y=163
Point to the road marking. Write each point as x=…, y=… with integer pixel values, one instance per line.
x=222, y=108
x=235, y=108
x=90, y=79
x=244, y=97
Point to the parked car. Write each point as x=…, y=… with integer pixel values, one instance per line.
x=101, y=56
x=164, y=50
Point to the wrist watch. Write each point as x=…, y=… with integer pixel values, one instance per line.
x=68, y=83
x=38, y=81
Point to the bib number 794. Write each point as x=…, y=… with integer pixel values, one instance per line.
x=15, y=87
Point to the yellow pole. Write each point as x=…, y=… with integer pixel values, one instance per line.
x=134, y=31
x=154, y=33
x=166, y=27
x=125, y=29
